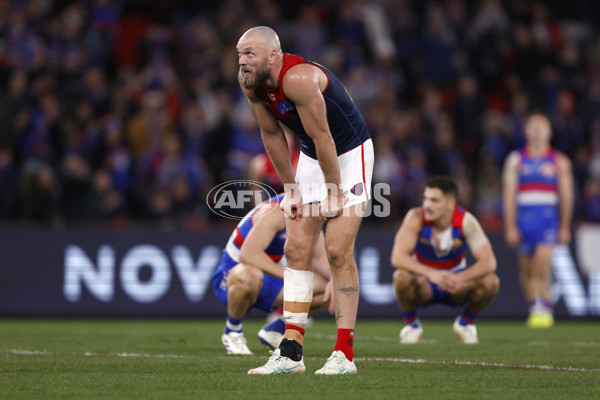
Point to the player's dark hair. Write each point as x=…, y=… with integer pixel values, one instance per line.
x=444, y=183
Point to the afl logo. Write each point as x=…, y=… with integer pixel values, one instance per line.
x=233, y=199
x=357, y=189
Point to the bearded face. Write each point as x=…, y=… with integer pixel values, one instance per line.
x=254, y=75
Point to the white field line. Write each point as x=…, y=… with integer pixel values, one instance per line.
x=549, y=343
x=359, y=359
x=477, y=364
x=90, y=354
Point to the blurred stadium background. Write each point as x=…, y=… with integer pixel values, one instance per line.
x=117, y=118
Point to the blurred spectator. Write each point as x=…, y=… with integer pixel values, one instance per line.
x=104, y=201
x=488, y=192
x=495, y=137
x=440, y=50
x=37, y=197
x=467, y=112
x=591, y=198
x=567, y=124
x=127, y=110
x=449, y=158
x=8, y=181
x=246, y=141
x=516, y=118
x=261, y=168
x=174, y=179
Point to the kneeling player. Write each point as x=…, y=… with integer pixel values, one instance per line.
x=429, y=257
x=251, y=275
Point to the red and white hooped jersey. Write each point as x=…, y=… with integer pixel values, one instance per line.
x=538, y=179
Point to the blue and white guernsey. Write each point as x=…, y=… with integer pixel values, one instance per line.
x=452, y=247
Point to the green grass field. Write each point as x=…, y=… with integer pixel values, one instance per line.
x=177, y=359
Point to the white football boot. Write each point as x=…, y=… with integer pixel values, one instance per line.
x=270, y=338
x=278, y=364
x=411, y=335
x=337, y=364
x=467, y=334
x=235, y=343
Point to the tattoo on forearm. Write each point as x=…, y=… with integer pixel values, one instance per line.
x=348, y=290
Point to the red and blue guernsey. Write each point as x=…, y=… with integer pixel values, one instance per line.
x=538, y=180
x=271, y=286
x=450, y=251
x=231, y=254
x=346, y=124
x=537, y=199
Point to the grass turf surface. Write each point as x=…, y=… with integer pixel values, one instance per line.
x=177, y=359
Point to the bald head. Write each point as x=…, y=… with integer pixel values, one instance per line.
x=263, y=37
x=259, y=56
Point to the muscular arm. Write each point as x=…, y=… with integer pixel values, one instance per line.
x=510, y=182
x=485, y=260
x=565, y=193
x=301, y=86
x=267, y=222
x=273, y=137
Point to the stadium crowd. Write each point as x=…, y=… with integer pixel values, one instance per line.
x=114, y=112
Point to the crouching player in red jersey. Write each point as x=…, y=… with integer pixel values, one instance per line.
x=429, y=257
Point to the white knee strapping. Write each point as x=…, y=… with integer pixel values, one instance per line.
x=297, y=287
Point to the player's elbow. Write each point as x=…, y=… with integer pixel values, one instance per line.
x=322, y=139
x=492, y=263
x=397, y=261
x=245, y=255
x=394, y=261
x=269, y=134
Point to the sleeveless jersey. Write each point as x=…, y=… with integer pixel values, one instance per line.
x=454, y=256
x=538, y=180
x=346, y=123
x=234, y=244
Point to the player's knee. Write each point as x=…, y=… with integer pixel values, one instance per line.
x=407, y=285
x=402, y=278
x=296, y=253
x=337, y=255
x=490, y=283
x=420, y=280
x=245, y=278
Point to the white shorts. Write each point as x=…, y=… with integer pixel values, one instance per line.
x=356, y=170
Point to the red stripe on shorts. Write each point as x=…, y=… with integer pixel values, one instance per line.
x=362, y=156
